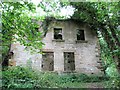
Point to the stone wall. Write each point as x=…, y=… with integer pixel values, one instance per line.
x=86, y=53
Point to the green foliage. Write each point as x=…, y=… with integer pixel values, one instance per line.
x=83, y=78
x=112, y=71
x=19, y=77
x=114, y=82
x=103, y=17
x=19, y=26
x=109, y=65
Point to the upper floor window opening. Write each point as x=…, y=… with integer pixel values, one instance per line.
x=58, y=33
x=80, y=34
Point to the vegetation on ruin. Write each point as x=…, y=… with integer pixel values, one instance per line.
x=18, y=24
x=20, y=77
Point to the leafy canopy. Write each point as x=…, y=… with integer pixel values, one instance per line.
x=19, y=26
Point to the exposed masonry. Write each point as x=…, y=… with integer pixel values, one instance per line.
x=69, y=47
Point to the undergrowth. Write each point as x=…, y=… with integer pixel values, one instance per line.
x=19, y=77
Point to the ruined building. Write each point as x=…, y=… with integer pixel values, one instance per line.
x=70, y=46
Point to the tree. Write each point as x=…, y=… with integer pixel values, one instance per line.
x=102, y=17
x=18, y=26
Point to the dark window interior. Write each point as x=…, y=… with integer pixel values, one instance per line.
x=48, y=61
x=58, y=33
x=69, y=63
x=80, y=34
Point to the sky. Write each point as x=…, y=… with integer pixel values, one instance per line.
x=64, y=11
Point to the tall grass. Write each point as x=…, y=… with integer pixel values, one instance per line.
x=19, y=77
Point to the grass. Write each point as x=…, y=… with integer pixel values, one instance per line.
x=18, y=77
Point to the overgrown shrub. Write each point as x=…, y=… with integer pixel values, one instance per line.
x=22, y=77
x=82, y=78
x=114, y=82
x=19, y=77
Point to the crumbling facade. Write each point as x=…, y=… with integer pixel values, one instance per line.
x=69, y=47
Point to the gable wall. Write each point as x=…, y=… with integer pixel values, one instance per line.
x=85, y=52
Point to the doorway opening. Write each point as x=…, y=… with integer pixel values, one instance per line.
x=48, y=61
x=69, y=61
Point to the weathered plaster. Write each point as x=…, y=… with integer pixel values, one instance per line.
x=86, y=52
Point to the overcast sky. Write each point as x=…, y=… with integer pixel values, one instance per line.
x=64, y=11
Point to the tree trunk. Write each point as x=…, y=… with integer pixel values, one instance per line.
x=5, y=58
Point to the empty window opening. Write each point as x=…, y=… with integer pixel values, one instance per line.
x=80, y=34
x=48, y=61
x=69, y=63
x=58, y=33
